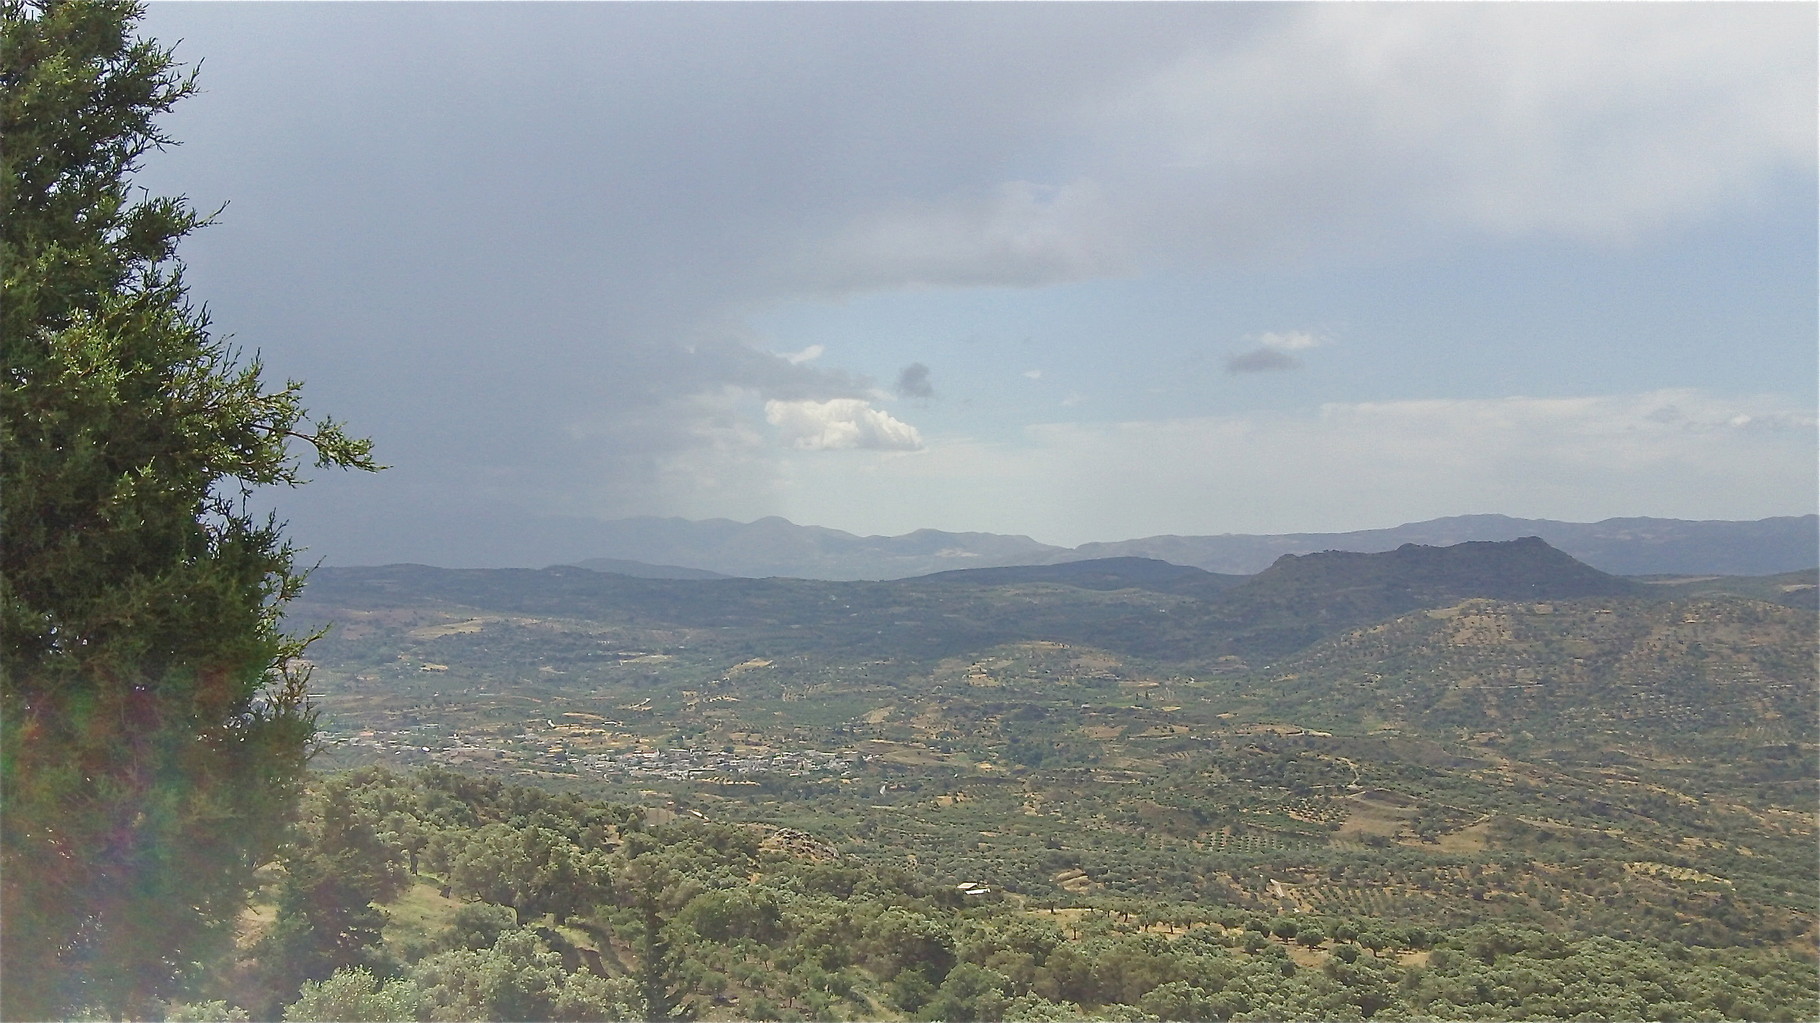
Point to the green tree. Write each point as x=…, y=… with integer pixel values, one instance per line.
x=535, y=870
x=325, y=923
x=217, y=1011
x=658, y=962
x=353, y=995
x=726, y=915
x=340, y=866
x=477, y=925
x=519, y=978
x=153, y=734
x=1181, y=1001
x=969, y=992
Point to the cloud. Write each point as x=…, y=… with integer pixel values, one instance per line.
x=1289, y=341
x=1262, y=360
x=1328, y=130
x=1272, y=354
x=1340, y=122
x=1014, y=234
x=913, y=382
x=840, y=423
x=505, y=262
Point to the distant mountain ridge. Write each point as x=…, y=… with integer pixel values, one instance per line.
x=777, y=547
x=1620, y=546
x=1131, y=606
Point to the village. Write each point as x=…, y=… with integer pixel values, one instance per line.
x=548, y=752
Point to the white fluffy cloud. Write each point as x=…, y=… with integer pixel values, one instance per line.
x=1289, y=340
x=840, y=423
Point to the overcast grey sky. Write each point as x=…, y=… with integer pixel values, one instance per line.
x=1079, y=271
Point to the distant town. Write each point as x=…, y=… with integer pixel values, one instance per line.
x=553, y=750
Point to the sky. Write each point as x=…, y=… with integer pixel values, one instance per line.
x=1073, y=271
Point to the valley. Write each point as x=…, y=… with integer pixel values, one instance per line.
x=1443, y=738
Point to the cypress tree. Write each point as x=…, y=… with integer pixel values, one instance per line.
x=153, y=727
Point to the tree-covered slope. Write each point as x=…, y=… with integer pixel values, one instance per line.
x=491, y=901
x=1569, y=671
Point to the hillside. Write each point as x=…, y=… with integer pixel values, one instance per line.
x=1489, y=760
x=1302, y=598
x=1794, y=589
x=1374, y=780
x=641, y=570
x=1563, y=674
x=1097, y=574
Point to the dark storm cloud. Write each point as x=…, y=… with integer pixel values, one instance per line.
x=518, y=247
x=1262, y=360
x=913, y=382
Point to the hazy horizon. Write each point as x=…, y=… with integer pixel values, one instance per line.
x=573, y=541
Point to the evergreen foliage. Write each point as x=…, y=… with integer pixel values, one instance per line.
x=154, y=738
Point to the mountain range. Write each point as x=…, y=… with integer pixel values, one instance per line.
x=681, y=548
x=1133, y=606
